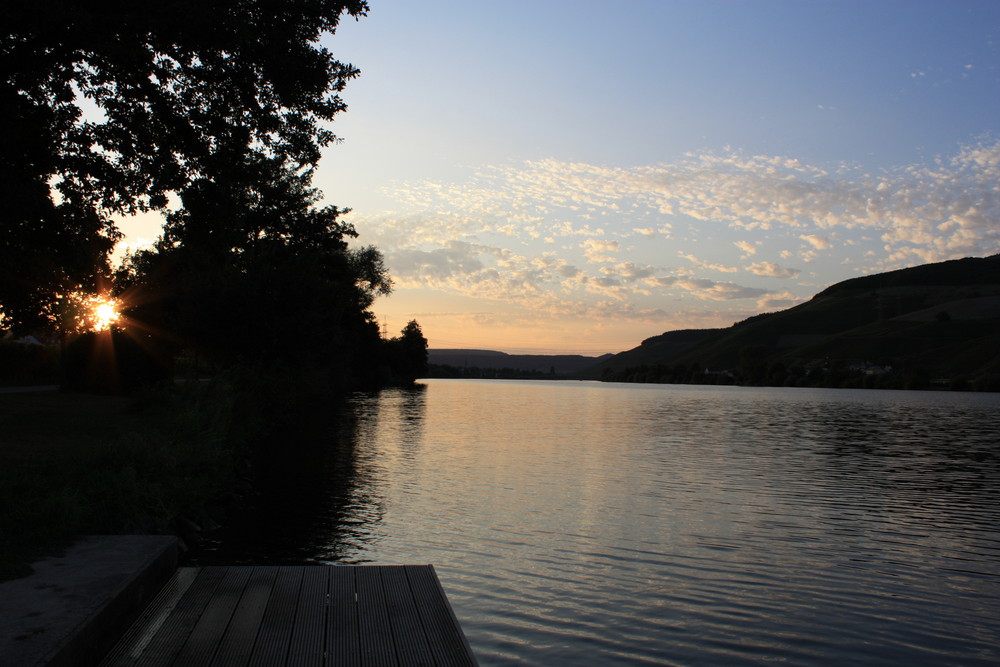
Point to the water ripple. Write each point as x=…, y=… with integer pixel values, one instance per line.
x=588, y=524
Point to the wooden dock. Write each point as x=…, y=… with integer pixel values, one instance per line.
x=304, y=615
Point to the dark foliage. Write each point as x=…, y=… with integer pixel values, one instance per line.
x=176, y=85
x=475, y=372
x=251, y=272
x=407, y=354
x=114, y=362
x=25, y=364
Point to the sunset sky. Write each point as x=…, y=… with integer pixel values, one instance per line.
x=575, y=176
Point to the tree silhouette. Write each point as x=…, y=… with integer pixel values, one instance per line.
x=251, y=271
x=408, y=354
x=172, y=88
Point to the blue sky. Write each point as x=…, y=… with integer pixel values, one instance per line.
x=575, y=176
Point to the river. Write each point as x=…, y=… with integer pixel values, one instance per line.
x=578, y=523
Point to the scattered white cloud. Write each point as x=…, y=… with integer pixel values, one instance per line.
x=772, y=270
x=939, y=210
x=708, y=289
x=747, y=247
x=772, y=302
x=708, y=265
x=629, y=271
x=569, y=239
x=599, y=251
x=818, y=242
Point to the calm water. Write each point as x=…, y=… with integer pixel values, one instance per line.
x=598, y=524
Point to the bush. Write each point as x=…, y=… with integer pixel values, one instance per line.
x=75, y=465
x=28, y=364
x=115, y=362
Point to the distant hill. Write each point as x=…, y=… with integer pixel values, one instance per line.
x=451, y=363
x=930, y=325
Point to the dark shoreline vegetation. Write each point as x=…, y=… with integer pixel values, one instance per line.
x=107, y=456
x=253, y=305
x=767, y=375
x=77, y=464
x=176, y=460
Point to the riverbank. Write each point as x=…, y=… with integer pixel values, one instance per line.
x=78, y=464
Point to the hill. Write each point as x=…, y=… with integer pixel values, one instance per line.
x=471, y=363
x=930, y=325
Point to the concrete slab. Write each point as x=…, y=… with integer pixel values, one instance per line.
x=73, y=609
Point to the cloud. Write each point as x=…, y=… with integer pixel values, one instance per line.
x=599, y=251
x=707, y=289
x=438, y=264
x=934, y=211
x=629, y=271
x=772, y=302
x=569, y=239
x=817, y=242
x=547, y=281
x=708, y=265
x=772, y=270
x=703, y=288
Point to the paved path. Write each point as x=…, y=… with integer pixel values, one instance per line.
x=73, y=608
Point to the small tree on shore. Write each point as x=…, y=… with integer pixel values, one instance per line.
x=408, y=354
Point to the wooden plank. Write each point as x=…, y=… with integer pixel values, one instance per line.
x=309, y=632
x=374, y=632
x=404, y=620
x=447, y=641
x=167, y=642
x=238, y=642
x=316, y=615
x=276, y=632
x=342, y=624
x=131, y=646
x=204, y=639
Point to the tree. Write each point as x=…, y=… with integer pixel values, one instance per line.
x=408, y=353
x=250, y=270
x=173, y=87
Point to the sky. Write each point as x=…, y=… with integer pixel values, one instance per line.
x=572, y=177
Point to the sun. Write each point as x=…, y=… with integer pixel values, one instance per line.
x=103, y=313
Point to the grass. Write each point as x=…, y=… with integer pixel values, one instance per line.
x=74, y=464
